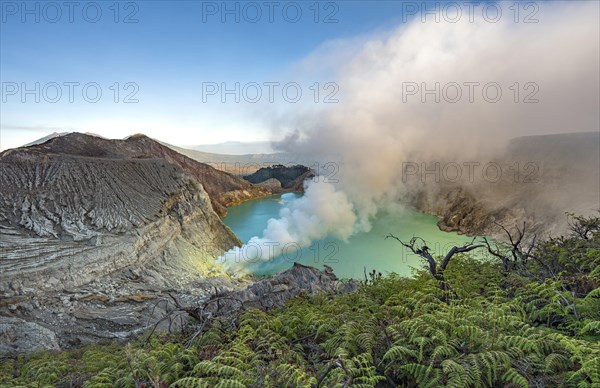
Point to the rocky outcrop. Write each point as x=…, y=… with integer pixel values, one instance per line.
x=17, y=335
x=272, y=184
x=271, y=292
x=290, y=178
x=88, y=315
x=466, y=210
x=71, y=212
x=93, y=232
x=275, y=290
x=116, y=307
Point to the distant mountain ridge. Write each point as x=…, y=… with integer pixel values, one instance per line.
x=240, y=164
x=235, y=148
x=56, y=134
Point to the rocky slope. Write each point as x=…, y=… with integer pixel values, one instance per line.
x=94, y=231
x=224, y=189
x=274, y=291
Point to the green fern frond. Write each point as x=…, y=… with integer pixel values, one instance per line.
x=514, y=377
x=191, y=382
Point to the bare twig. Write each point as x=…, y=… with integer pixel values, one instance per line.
x=423, y=251
x=199, y=331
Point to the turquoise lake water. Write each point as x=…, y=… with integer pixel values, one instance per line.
x=348, y=259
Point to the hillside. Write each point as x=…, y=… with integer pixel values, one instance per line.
x=223, y=188
x=93, y=230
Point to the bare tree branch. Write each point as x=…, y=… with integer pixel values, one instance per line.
x=465, y=248
x=423, y=251
x=519, y=253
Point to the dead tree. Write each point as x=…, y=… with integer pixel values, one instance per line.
x=583, y=227
x=423, y=251
x=203, y=313
x=519, y=253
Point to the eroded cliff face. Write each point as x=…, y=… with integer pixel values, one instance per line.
x=93, y=232
x=466, y=210
x=536, y=180
x=66, y=220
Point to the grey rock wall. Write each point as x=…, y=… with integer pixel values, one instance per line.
x=94, y=233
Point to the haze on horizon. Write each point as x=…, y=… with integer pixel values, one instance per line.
x=156, y=74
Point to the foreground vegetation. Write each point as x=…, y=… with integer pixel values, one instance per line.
x=525, y=317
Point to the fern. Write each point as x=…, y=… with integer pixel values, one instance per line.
x=292, y=376
x=503, y=331
x=513, y=377
x=191, y=382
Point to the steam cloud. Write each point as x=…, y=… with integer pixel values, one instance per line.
x=377, y=125
x=322, y=211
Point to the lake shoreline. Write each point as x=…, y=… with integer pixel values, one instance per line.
x=348, y=259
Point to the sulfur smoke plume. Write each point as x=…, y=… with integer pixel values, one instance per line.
x=382, y=122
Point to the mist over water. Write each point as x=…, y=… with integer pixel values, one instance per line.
x=348, y=258
x=322, y=211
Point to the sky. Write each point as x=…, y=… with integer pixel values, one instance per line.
x=156, y=65
x=206, y=72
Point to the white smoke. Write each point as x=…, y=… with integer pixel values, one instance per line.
x=377, y=126
x=321, y=211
